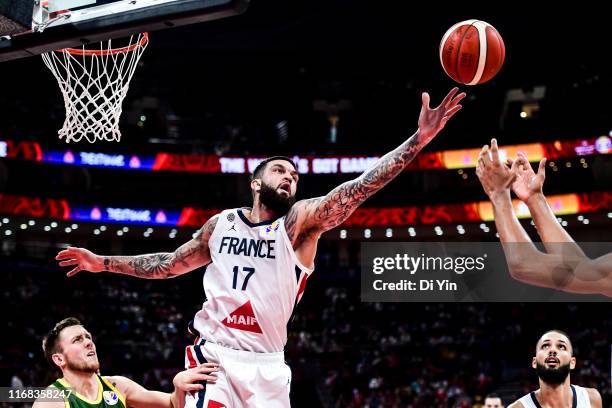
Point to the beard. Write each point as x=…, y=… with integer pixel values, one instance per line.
x=83, y=366
x=553, y=376
x=277, y=203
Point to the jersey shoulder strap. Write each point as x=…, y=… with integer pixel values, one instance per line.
x=111, y=395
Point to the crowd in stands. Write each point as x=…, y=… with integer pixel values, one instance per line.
x=343, y=352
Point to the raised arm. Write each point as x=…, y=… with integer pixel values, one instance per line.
x=324, y=213
x=528, y=188
x=186, y=258
x=570, y=272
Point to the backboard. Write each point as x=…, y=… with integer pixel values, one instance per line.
x=57, y=24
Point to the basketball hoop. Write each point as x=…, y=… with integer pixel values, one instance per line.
x=94, y=83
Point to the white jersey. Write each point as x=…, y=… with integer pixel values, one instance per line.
x=252, y=285
x=580, y=398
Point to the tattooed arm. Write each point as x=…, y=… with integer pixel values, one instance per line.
x=186, y=258
x=315, y=216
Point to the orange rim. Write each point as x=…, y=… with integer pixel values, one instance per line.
x=88, y=53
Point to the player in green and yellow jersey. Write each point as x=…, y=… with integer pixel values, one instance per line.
x=69, y=347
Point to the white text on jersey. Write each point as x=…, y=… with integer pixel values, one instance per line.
x=248, y=247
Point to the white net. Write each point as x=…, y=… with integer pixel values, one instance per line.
x=94, y=83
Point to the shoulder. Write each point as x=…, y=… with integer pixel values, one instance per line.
x=298, y=215
x=594, y=397
x=115, y=380
x=306, y=204
x=213, y=220
x=208, y=227
x=516, y=404
x=122, y=384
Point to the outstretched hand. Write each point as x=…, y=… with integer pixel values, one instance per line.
x=81, y=258
x=432, y=121
x=191, y=379
x=527, y=183
x=495, y=176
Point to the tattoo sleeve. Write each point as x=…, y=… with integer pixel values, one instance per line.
x=165, y=265
x=325, y=213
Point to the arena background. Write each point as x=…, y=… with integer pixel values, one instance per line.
x=272, y=81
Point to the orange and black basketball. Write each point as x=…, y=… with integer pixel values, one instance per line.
x=472, y=52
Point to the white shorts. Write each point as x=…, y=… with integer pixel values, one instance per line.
x=245, y=379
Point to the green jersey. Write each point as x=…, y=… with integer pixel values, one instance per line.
x=108, y=395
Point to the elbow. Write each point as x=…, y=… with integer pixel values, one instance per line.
x=524, y=262
x=518, y=269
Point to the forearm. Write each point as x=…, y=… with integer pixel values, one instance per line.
x=517, y=244
x=341, y=202
x=526, y=263
x=508, y=226
x=187, y=257
x=151, y=399
x=393, y=163
x=553, y=235
x=177, y=399
x=151, y=266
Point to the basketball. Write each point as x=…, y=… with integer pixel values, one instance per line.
x=472, y=52
x=302, y=207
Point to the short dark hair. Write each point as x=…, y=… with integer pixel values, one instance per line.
x=561, y=332
x=50, y=344
x=262, y=166
x=492, y=396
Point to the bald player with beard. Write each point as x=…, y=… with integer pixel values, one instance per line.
x=553, y=362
